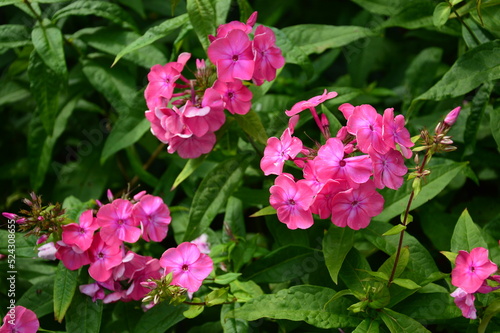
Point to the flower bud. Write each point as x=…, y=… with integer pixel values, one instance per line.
x=452, y=116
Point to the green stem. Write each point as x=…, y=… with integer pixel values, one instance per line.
x=405, y=221
x=484, y=324
x=30, y=7
x=464, y=24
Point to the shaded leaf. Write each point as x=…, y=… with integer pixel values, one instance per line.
x=48, y=42
x=202, y=17
x=415, y=14
x=160, y=318
x=466, y=235
x=190, y=167
x=336, y=244
x=65, y=283
x=399, y=323
x=252, y=125
x=367, y=326
x=84, y=315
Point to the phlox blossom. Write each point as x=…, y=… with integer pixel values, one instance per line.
x=117, y=223
x=154, y=217
x=472, y=269
x=268, y=57
x=394, y=132
x=388, y=169
x=278, y=151
x=237, y=98
x=20, y=320
x=465, y=302
x=103, y=258
x=366, y=124
x=310, y=103
x=292, y=201
x=81, y=234
x=189, y=267
x=71, y=256
x=355, y=207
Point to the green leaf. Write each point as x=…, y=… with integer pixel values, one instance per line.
x=406, y=283
x=269, y=210
x=469, y=71
x=367, y=326
x=232, y=325
x=415, y=14
x=234, y=221
x=193, y=311
x=479, y=104
x=117, y=85
x=226, y=278
x=283, y=264
x=382, y=7
x=126, y=131
x=245, y=290
x=202, y=17
x=152, y=35
x=213, y=192
x=111, y=40
x=441, y=175
x=292, y=53
x=48, y=42
x=394, y=230
x=65, y=284
x=353, y=271
x=107, y=10
x=14, y=35
x=25, y=246
x=39, y=297
x=399, y=323
x=84, y=315
x=189, y=168
x=216, y=297
x=300, y=303
x=387, y=266
x=252, y=125
x=160, y=318
x=466, y=235
x=495, y=125
x=336, y=244
x=316, y=38
x=441, y=14
x=429, y=308
x=451, y=256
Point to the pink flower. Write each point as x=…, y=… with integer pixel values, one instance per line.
x=268, y=57
x=189, y=267
x=94, y=290
x=153, y=216
x=278, y=151
x=388, y=169
x=207, y=117
x=366, y=124
x=465, y=302
x=202, y=243
x=354, y=208
x=323, y=201
x=224, y=29
x=394, y=131
x=21, y=320
x=237, y=98
x=310, y=103
x=292, y=201
x=81, y=234
x=471, y=269
x=232, y=56
x=103, y=258
x=193, y=146
x=71, y=256
x=47, y=251
x=117, y=223
x=331, y=164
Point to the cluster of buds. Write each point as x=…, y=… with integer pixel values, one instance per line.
x=440, y=141
x=39, y=220
x=186, y=114
x=162, y=290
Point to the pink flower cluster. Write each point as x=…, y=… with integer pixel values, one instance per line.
x=20, y=319
x=471, y=273
x=100, y=242
x=340, y=177
x=197, y=106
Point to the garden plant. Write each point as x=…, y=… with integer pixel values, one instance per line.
x=250, y=166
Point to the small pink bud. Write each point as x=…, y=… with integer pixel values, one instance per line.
x=40, y=218
x=110, y=195
x=27, y=202
x=149, y=284
x=99, y=203
x=200, y=64
x=139, y=195
x=252, y=19
x=10, y=216
x=452, y=116
x=21, y=220
x=42, y=239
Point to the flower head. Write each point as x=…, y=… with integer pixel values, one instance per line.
x=465, y=302
x=472, y=269
x=21, y=320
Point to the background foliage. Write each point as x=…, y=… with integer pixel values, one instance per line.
x=72, y=79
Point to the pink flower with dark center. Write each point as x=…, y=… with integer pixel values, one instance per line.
x=237, y=98
x=268, y=57
x=292, y=201
x=366, y=124
x=354, y=208
x=81, y=234
x=465, y=302
x=394, y=132
x=232, y=56
x=103, y=258
x=278, y=151
x=154, y=217
x=310, y=103
x=189, y=267
x=207, y=117
x=71, y=256
x=20, y=320
x=331, y=164
x=323, y=201
x=388, y=169
x=117, y=223
x=472, y=269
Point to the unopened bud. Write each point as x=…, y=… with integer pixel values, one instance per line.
x=452, y=116
x=110, y=195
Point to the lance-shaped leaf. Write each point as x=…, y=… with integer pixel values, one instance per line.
x=39, y=297
x=367, y=326
x=213, y=192
x=300, y=303
x=13, y=35
x=336, y=244
x=153, y=34
x=48, y=42
x=189, y=168
x=202, y=16
x=399, y=323
x=160, y=318
x=252, y=125
x=84, y=315
x=65, y=284
x=473, y=68
x=466, y=235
